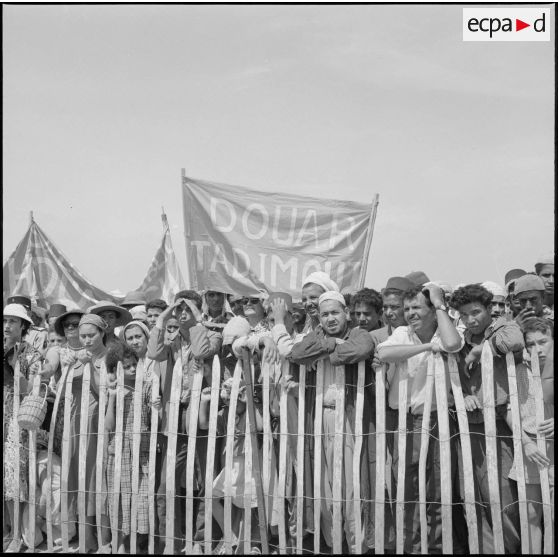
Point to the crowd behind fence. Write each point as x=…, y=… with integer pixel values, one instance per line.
x=275, y=460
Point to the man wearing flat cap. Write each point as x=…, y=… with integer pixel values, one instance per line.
x=337, y=344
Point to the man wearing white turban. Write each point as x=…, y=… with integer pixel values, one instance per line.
x=334, y=341
x=498, y=307
x=313, y=286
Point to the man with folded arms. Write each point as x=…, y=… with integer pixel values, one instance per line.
x=334, y=340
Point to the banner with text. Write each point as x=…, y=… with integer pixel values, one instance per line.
x=242, y=241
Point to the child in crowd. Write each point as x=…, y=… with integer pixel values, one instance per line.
x=129, y=360
x=474, y=304
x=54, y=338
x=539, y=336
x=41, y=499
x=240, y=490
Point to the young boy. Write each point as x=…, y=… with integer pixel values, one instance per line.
x=473, y=302
x=539, y=335
x=367, y=307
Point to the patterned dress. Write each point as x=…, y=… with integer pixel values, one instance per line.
x=15, y=445
x=125, y=500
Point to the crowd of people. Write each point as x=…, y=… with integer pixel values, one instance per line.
x=397, y=328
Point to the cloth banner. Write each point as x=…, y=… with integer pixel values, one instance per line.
x=164, y=278
x=39, y=270
x=243, y=241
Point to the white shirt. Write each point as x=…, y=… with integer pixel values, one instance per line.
x=417, y=369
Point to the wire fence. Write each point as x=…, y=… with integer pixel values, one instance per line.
x=317, y=462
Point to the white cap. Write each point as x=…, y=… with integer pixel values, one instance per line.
x=494, y=288
x=18, y=311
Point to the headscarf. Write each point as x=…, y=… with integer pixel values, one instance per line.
x=93, y=319
x=226, y=305
x=332, y=295
x=323, y=280
x=136, y=323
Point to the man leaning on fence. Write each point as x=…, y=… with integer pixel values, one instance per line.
x=334, y=340
x=194, y=345
x=473, y=302
x=429, y=330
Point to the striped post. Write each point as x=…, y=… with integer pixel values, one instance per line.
x=467, y=457
x=518, y=454
x=229, y=457
x=16, y=527
x=379, y=512
x=440, y=383
x=83, y=442
x=211, y=439
x=318, y=419
x=338, y=491
x=267, y=441
x=100, y=459
x=152, y=463
x=136, y=446
x=53, y=419
x=256, y=458
x=118, y=443
x=283, y=445
x=300, y=461
x=193, y=410
x=541, y=444
x=32, y=506
x=64, y=512
x=423, y=457
x=402, y=449
x=247, y=520
x=172, y=436
x=359, y=410
x=489, y=413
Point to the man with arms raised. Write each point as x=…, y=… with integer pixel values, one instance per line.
x=194, y=346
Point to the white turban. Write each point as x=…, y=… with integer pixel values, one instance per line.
x=494, y=288
x=332, y=295
x=322, y=279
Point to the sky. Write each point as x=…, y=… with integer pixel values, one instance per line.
x=105, y=104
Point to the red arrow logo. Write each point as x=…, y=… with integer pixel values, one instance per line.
x=519, y=25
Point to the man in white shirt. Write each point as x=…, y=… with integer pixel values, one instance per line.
x=429, y=330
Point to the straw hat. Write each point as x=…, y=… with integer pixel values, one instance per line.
x=58, y=327
x=123, y=316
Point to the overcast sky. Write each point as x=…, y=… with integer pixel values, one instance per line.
x=103, y=106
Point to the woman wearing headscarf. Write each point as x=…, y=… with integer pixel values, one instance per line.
x=16, y=324
x=92, y=336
